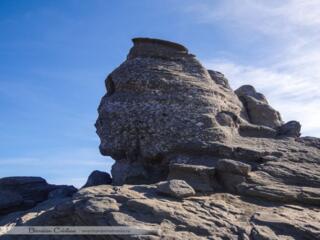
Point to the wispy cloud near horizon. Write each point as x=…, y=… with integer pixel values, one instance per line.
x=288, y=72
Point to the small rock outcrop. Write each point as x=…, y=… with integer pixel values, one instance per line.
x=20, y=193
x=290, y=129
x=219, y=79
x=97, y=178
x=257, y=108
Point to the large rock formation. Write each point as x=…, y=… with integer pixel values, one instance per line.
x=165, y=116
x=161, y=102
x=193, y=159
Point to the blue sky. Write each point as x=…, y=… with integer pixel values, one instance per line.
x=54, y=56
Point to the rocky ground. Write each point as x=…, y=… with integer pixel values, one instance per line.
x=210, y=216
x=193, y=160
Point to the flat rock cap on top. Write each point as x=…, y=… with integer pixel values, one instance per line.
x=173, y=45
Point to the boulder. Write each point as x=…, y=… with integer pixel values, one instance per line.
x=231, y=166
x=290, y=129
x=175, y=188
x=258, y=110
x=98, y=178
x=232, y=173
x=250, y=91
x=262, y=114
x=201, y=178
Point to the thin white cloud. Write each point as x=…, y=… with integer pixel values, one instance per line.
x=289, y=73
x=77, y=156
x=264, y=15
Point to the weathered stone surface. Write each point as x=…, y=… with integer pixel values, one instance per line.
x=309, y=141
x=98, y=178
x=261, y=114
x=175, y=188
x=30, y=188
x=219, y=79
x=166, y=117
x=250, y=130
x=258, y=110
x=250, y=91
x=20, y=193
x=201, y=178
x=160, y=101
x=215, y=216
x=290, y=129
x=231, y=166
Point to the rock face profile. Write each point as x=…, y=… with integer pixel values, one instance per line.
x=163, y=108
x=160, y=103
x=193, y=159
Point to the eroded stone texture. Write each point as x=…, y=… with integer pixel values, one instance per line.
x=160, y=101
x=166, y=117
x=219, y=79
x=215, y=216
x=20, y=193
x=290, y=129
x=258, y=109
x=175, y=188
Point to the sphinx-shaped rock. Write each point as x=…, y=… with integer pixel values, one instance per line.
x=160, y=101
x=166, y=117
